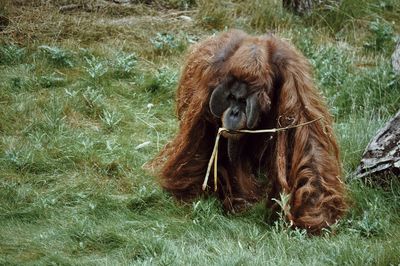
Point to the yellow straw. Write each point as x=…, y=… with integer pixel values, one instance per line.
x=214, y=154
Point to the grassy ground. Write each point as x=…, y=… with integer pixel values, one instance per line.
x=86, y=98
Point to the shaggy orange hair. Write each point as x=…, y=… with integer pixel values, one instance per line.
x=301, y=162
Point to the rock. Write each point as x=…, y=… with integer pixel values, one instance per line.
x=186, y=18
x=142, y=145
x=381, y=158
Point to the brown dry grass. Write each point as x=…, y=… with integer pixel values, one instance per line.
x=129, y=26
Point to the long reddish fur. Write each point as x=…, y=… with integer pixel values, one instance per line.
x=302, y=162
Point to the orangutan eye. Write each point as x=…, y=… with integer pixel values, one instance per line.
x=231, y=97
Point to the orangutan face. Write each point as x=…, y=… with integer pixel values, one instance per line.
x=237, y=107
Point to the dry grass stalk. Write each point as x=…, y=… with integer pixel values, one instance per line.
x=214, y=154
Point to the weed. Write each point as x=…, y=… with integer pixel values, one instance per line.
x=165, y=44
x=367, y=220
x=368, y=225
x=54, y=114
x=58, y=56
x=21, y=78
x=96, y=69
x=164, y=81
x=110, y=119
x=18, y=158
x=52, y=80
x=94, y=100
x=281, y=222
x=11, y=54
x=123, y=65
x=383, y=34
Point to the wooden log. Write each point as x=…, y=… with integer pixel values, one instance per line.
x=381, y=159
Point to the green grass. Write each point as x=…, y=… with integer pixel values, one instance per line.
x=86, y=99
